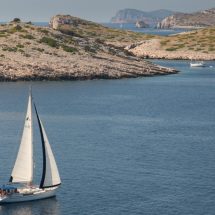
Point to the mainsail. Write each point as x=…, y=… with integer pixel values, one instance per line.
x=23, y=168
x=50, y=175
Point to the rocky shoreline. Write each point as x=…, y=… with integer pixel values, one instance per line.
x=78, y=68
x=31, y=53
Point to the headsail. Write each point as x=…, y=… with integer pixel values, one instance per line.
x=50, y=175
x=23, y=168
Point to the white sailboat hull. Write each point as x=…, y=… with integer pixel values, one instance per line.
x=30, y=195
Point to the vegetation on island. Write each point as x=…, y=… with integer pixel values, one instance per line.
x=86, y=29
x=72, y=48
x=202, y=40
x=26, y=37
x=86, y=51
x=90, y=37
x=192, y=45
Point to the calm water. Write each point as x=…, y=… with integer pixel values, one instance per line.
x=131, y=146
x=128, y=26
x=150, y=30
x=132, y=27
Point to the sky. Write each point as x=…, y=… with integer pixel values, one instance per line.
x=94, y=10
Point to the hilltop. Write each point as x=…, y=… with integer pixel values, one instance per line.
x=203, y=18
x=133, y=15
x=71, y=49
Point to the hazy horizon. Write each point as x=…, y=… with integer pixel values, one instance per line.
x=97, y=10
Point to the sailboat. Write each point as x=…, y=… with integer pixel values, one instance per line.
x=20, y=187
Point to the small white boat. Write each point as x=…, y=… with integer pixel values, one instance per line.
x=20, y=187
x=197, y=64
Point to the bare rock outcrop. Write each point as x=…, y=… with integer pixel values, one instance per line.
x=168, y=22
x=141, y=24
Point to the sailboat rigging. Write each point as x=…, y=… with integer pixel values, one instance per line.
x=20, y=187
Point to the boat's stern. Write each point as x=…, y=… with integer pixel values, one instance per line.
x=3, y=199
x=6, y=191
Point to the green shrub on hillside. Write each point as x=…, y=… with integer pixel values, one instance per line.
x=38, y=49
x=10, y=49
x=164, y=42
x=28, y=36
x=19, y=46
x=15, y=29
x=46, y=32
x=171, y=49
x=69, y=49
x=49, y=41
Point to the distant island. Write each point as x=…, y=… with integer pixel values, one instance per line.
x=200, y=19
x=132, y=16
x=165, y=19
x=70, y=49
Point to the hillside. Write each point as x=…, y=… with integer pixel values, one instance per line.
x=133, y=15
x=204, y=18
x=197, y=44
x=85, y=30
x=71, y=49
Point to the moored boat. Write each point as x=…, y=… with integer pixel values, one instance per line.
x=197, y=64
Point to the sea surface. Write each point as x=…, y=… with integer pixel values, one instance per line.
x=150, y=30
x=129, y=146
x=132, y=27
x=127, y=26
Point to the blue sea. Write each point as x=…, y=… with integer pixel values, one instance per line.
x=131, y=27
x=151, y=30
x=129, y=146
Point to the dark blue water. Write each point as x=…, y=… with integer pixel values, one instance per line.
x=151, y=30
x=130, y=146
x=131, y=27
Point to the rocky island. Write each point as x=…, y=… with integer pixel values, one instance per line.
x=200, y=19
x=192, y=45
x=132, y=16
x=70, y=49
x=141, y=24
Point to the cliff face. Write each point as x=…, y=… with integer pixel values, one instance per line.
x=199, y=19
x=132, y=16
x=168, y=22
